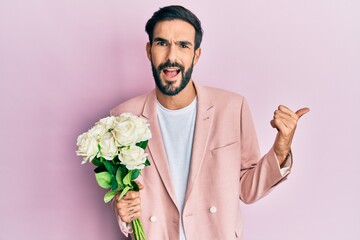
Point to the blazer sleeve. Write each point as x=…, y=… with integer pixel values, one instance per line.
x=257, y=175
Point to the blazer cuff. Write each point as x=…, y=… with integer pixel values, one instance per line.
x=125, y=228
x=280, y=173
x=285, y=169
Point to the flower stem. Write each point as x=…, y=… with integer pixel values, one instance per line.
x=139, y=232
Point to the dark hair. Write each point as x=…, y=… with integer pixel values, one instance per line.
x=171, y=13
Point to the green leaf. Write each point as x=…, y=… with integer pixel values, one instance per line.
x=100, y=169
x=147, y=163
x=124, y=170
x=116, y=160
x=135, y=173
x=114, y=184
x=127, y=179
x=115, y=168
x=119, y=177
x=109, y=167
x=142, y=144
x=96, y=161
x=135, y=186
x=104, y=179
x=110, y=195
x=126, y=189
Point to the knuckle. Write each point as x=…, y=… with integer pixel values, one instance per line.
x=120, y=204
x=137, y=201
x=122, y=214
x=132, y=194
x=128, y=196
x=137, y=208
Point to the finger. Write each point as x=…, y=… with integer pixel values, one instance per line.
x=131, y=195
x=286, y=110
x=284, y=115
x=129, y=210
x=279, y=125
x=134, y=216
x=302, y=111
x=127, y=218
x=272, y=123
x=130, y=217
x=124, y=204
x=288, y=120
x=133, y=210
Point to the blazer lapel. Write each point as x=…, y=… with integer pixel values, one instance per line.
x=204, y=118
x=156, y=145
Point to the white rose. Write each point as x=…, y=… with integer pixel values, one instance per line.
x=124, y=117
x=98, y=130
x=133, y=157
x=142, y=129
x=108, y=122
x=125, y=132
x=108, y=147
x=87, y=147
x=131, y=129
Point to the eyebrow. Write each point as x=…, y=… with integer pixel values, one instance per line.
x=159, y=39
x=184, y=43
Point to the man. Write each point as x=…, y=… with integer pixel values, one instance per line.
x=204, y=151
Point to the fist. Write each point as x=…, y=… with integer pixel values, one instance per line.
x=285, y=121
x=128, y=207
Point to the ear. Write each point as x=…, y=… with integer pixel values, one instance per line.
x=197, y=55
x=148, y=50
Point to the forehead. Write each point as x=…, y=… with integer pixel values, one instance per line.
x=175, y=29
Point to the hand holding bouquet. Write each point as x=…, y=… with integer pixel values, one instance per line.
x=116, y=146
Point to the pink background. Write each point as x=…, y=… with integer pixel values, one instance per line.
x=64, y=64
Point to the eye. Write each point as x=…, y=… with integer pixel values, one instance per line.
x=161, y=43
x=184, y=46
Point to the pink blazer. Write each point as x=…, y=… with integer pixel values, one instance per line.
x=225, y=168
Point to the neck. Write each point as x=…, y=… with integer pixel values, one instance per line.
x=181, y=100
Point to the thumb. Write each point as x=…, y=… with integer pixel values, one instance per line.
x=301, y=112
x=139, y=185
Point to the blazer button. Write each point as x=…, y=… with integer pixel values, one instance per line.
x=213, y=209
x=153, y=218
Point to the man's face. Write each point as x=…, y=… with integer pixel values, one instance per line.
x=172, y=55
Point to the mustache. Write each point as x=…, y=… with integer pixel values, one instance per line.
x=169, y=63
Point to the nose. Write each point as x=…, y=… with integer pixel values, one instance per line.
x=172, y=52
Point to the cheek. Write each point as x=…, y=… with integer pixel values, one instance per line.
x=189, y=61
x=187, y=57
x=156, y=60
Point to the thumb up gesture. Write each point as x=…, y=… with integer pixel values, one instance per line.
x=285, y=121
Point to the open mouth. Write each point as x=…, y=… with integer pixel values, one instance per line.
x=171, y=72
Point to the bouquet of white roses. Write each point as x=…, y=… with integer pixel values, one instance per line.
x=116, y=146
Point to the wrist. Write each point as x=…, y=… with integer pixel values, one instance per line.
x=281, y=157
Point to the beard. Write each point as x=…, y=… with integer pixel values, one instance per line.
x=168, y=87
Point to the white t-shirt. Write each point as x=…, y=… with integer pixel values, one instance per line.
x=177, y=130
